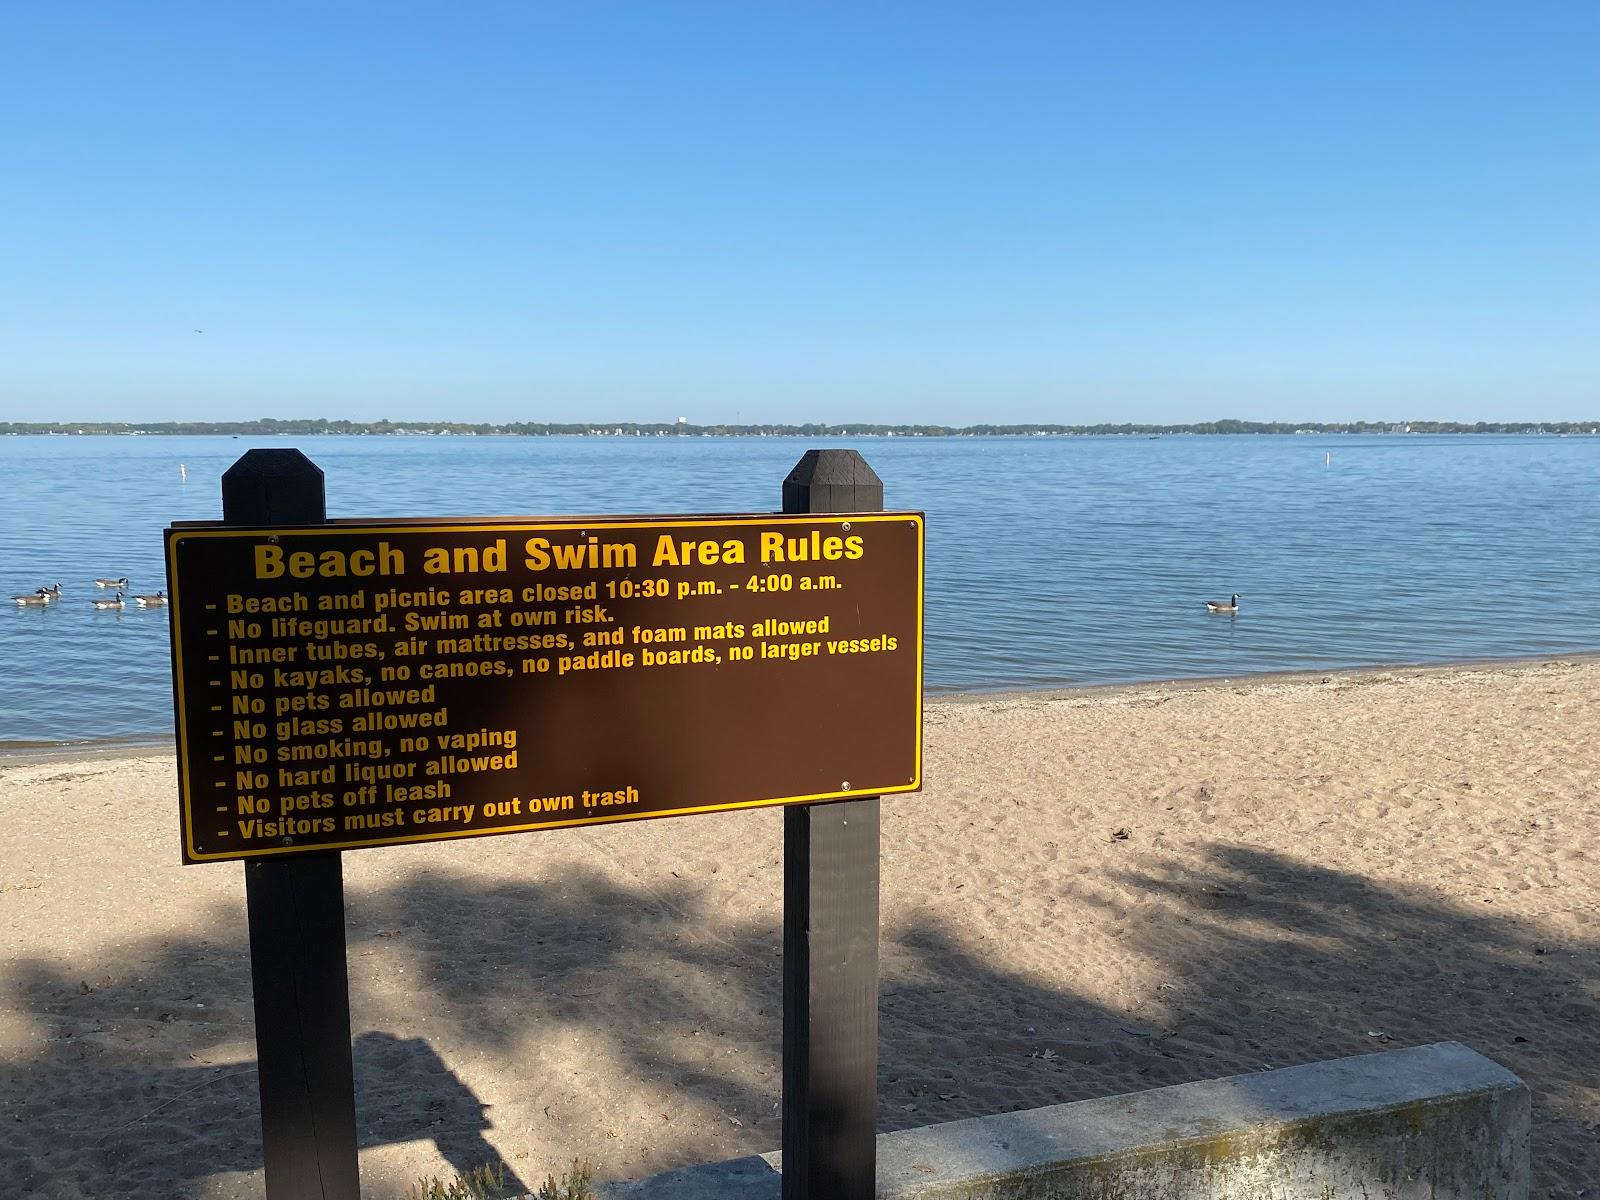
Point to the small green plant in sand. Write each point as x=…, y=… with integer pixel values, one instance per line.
x=488, y=1182
x=573, y=1184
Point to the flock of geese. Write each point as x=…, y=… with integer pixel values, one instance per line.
x=44, y=596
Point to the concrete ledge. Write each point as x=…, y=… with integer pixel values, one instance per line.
x=1440, y=1122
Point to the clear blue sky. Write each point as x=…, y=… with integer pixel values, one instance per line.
x=953, y=212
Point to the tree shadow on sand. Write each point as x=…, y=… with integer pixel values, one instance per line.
x=134, y=1125
x=126, y=1088
x=1282, y=961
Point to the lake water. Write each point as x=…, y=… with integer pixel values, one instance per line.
x=1051, y=561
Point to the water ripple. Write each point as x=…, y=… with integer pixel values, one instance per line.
x=1050, y=561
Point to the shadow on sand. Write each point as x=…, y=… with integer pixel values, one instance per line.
x=139, y=1083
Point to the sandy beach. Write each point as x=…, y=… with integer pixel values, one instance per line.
x=1098, y=892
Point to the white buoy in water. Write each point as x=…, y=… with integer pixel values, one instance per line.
x=1327, y=458
x=183, y=473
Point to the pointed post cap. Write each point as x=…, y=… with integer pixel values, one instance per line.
x=273, y=487
x=827, y=481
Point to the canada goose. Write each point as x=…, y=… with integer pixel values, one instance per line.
x=110, y=583
x=112, y=602
x=40, y=597
x=155, y=601
x=51, y=593
x=1224, y=606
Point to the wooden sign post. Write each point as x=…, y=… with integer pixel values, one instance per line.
x=355, y=683
x=298, y=973
x=830, y=935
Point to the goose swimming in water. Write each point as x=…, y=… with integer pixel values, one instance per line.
x=40, y=597
x=155, y=601
x=51, y=593
x=112, y=583
x=1223, y=606
x=112, y=602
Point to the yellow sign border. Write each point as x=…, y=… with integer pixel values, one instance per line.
x=178, y=533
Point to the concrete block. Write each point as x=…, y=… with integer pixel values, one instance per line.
x=1429, y=1123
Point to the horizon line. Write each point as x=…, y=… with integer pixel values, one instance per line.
x=323, y=426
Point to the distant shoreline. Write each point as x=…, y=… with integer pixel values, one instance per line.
x=269, y=427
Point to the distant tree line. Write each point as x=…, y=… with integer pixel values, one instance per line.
x=269, y=426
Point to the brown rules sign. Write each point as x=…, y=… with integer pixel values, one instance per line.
x=367, y=683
